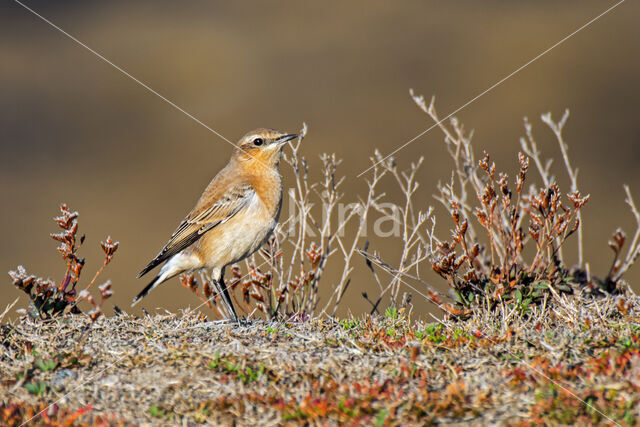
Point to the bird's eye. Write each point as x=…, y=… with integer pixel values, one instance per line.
x=258, y=141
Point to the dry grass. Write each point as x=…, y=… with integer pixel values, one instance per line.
x=373, y=370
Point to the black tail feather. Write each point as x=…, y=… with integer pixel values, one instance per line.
x=145, y=291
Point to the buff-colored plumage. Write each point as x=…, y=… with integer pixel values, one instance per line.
x=235, y=215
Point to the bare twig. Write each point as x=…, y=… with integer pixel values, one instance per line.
x=557, y=127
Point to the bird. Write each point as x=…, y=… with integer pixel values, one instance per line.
x=235, y=215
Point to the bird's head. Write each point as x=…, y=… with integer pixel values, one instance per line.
x=262, y=147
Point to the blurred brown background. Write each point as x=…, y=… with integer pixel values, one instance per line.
x=75, y=130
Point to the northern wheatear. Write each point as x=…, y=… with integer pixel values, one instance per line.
x=234, y=216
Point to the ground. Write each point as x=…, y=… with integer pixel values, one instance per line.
x=526, y=368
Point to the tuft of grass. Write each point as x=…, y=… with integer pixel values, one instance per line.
x=391, y=313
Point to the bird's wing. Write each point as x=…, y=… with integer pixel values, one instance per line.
x=202, y=219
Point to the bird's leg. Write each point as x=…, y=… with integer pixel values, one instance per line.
x=226, y=296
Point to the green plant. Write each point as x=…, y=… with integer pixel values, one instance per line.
x=157, y=412
x=215, y=362
x=37, y=388
x=381, y=417
x=391, y=313
x=249, y=375
x=348, y=324
x=271, y=330
x=46, y=365
x=243, y=372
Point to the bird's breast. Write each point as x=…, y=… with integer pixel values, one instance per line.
x=242, y=234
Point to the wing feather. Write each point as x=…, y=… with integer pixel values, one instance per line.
x=200, y=220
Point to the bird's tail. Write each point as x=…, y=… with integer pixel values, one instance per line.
x=155, y=282
x=176, y=265
x=162, y=277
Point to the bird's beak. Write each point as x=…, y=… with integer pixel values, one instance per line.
x=286, y=138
